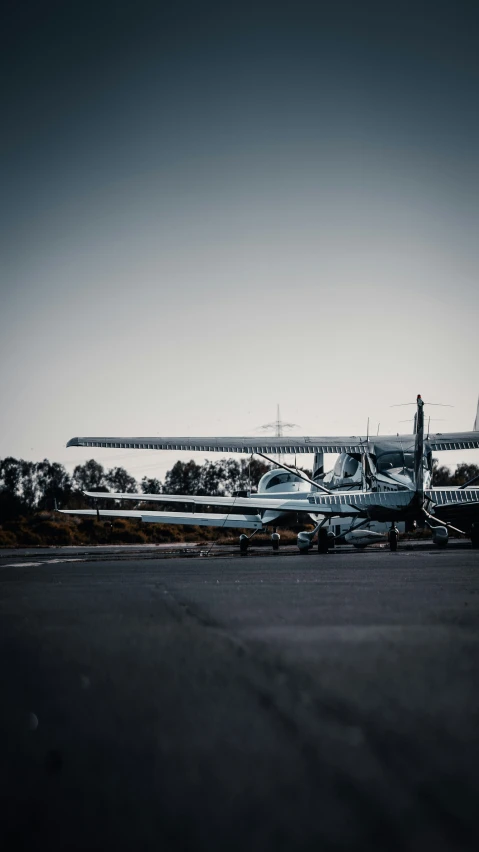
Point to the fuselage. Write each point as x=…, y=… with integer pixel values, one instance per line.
x=387, y=467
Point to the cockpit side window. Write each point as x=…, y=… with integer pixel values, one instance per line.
x=350, y=466
x=346, y=466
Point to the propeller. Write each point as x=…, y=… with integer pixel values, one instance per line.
x=367, y=463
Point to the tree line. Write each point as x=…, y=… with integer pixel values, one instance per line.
x=29, y=492
x=443, y=476
x=27, y=487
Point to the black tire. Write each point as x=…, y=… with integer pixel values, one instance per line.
x=243, y=543
x=323, y=541
x=393, y=540
x=475, y=536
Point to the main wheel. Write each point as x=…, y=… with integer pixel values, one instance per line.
x=393, y=539
x=243, y=543
x=323, y=541
x=275, y=541
x=303, y=542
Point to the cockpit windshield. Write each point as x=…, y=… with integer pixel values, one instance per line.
x=280, y=479
x=389, y=461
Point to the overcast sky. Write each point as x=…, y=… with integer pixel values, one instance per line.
x=209, y=209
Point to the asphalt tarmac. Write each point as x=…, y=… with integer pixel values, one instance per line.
x=260, y=703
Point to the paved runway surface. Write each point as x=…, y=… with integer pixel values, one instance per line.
x=258, y=703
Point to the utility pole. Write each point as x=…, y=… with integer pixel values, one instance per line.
x=278, y=425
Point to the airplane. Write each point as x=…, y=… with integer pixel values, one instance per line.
x=386, y=478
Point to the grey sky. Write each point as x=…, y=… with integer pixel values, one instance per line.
x=207, y=216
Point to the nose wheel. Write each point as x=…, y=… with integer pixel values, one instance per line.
x=275, y=538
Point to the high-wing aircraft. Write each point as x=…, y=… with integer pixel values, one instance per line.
x=385, y=478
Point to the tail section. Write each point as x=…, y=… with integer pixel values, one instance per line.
x=476, y=421
x=318, y=466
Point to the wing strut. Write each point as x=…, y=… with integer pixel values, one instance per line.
x=439, y=523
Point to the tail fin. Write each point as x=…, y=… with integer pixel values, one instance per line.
x=476, y=421
x=318, y=465
x=419, y=447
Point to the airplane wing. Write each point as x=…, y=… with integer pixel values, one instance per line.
x=197, y=519
x=228, y=445
x=458, y=506
x=342, y=503
x=291, y=444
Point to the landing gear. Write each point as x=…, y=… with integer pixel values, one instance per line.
x=393, y=536
x=275, y=537
x=323, y=540
x=475, y=535
x=440, y=536
x=304, y=542
x=244, y=541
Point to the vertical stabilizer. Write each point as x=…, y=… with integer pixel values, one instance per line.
x=419, y=448
x=476, y=421
x=318, y=465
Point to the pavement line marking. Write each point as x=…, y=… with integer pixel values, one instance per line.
x=44, y=562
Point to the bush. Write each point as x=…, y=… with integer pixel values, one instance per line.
x=7, y=539
x=28, y=538
x=124, y=532
x=54, y=533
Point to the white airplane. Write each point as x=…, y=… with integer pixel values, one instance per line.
x=385, y=478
